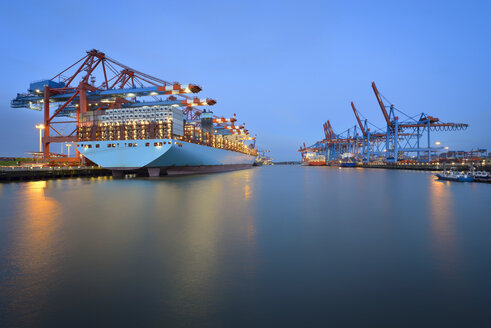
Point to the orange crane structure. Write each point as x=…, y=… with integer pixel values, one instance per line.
x=401, y=139
x=74, y=91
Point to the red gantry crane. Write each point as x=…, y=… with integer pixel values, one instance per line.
x=74, y=91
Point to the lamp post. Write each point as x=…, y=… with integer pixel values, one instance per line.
x=68, y=146
x=61, y=144
x=41, y=128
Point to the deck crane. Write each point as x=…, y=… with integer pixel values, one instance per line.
x=73, y=91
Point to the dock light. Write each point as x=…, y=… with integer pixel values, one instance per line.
x=438, y=143
x=41, y=128
x=446, y=148
x=68, y=145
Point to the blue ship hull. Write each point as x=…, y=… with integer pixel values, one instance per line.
x=162, y=156
x=458, y=179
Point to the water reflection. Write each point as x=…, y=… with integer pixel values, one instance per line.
x=198, y=259
x=442, y=224
x=33, y=251
x=220, y=211
x=247, y=185
x=262, y=243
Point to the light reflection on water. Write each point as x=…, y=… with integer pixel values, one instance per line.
x=33, y=252
x=272, y=243
x=443, y=230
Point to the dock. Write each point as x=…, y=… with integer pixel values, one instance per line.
x=422, y=166
x=45, y=173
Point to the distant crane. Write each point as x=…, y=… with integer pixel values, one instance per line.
x=400, y=136
x=405, y=136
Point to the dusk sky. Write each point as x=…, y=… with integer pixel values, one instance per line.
x=284, y=67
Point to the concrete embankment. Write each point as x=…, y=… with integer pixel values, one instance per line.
x=423, y=166
x=44, y=173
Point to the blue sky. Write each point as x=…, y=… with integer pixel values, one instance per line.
x=284, y=67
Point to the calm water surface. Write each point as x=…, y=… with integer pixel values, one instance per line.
x=272, y=246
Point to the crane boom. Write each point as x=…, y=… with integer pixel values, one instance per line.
x=358, y=119
x=382, y=107
x=326, y=131
x=331, y=132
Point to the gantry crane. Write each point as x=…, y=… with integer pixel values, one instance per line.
x=74, y=91
x=399, y=136
x=405, y=135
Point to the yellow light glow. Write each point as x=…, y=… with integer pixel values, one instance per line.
x=40, y=126
x=438, y=143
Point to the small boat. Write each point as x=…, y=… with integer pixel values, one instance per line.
x=342, y=164
x=454, y=176
x=480, y=174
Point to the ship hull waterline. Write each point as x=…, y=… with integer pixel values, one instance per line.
x=162, y=157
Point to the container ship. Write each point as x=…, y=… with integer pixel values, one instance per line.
x=128, y=121
x=313, y=159
x=161, y=141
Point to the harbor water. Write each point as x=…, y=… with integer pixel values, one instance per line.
x=278, y=246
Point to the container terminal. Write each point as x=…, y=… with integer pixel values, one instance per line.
x=406, y=143
x=124, y=125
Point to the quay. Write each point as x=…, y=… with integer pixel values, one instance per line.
x=44, y=173
x=422, y=166
x=287, y=163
